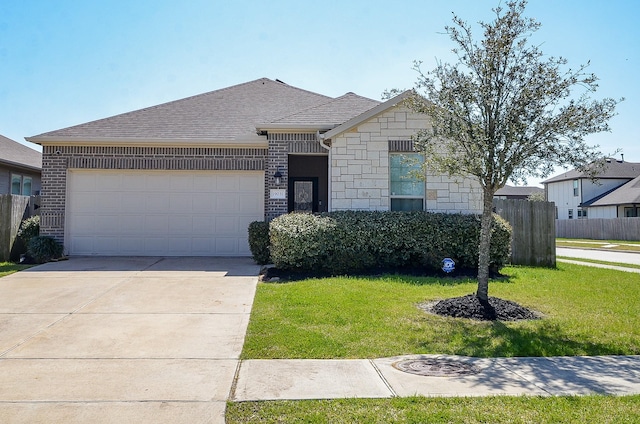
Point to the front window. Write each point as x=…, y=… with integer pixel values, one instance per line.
x=406, y=186
x=26, y=186
x=16, y=184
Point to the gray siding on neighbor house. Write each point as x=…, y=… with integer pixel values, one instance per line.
x=5, y=178
x=57, y=159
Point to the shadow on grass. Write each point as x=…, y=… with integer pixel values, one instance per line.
x=539, y=338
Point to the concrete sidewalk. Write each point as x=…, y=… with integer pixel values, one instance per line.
x=284, y=379
x=597, y=265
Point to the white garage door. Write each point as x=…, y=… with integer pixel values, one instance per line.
x=162, y=213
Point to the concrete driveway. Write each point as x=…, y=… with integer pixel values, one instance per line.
x=112, y=340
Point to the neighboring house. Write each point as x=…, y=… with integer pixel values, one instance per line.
x=622, y=202
x=187, y=177
x=517, y=192
x=576, y=196
x=20, y=168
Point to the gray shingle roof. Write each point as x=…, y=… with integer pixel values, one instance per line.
x=612, y=169
x=626, y=194
x=330, y=114
x=508, y=190
x=16, y=154
x=227, y=114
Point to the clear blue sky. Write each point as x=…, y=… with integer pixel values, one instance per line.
x=68, y=62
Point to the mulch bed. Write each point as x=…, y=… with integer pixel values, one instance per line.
x=470, y=307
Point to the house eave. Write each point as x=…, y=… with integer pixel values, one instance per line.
x=257, y=141
x=312, y=128
x=19, y=165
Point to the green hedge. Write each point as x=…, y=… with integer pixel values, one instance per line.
x=43, y=248
x=29, y=228
x=259, y=242
x=352, y=241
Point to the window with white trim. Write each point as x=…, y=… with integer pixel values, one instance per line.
x=16, y=184
x=21, y=185
x=406, y=189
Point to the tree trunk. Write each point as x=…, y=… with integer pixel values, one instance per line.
x=484, y=247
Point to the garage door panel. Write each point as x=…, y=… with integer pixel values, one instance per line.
x=203, y=203
x=156, y=246
x=155, y=202
x=106, y=225
x=227, y=203
x=85, y=202
x=82, y=224
x=246, y=183
x=108, y=244
x=226, y=225
x=132, y=224
x=181, y=225
x=164, y=213
x=156, y=224
x=157, y=182
x=131, y=245
x=248, y=202
x=110, y=182
x=180, y=203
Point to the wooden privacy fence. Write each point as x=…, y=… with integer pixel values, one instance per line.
x=13, y=209
x=534, y=234
x=599, y=228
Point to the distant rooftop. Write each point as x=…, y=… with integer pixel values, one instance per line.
x=613, y=168
x=16, y=154
x=509, y=190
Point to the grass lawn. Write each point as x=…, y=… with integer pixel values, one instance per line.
x=7, y=268
x=500, y=409
x=588, y=311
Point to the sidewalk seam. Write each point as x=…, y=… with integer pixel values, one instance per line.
x=384, y=380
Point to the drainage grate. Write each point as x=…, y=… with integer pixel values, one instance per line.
x=432, y=367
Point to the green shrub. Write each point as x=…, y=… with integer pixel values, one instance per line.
x=43, y=248
x=259, y=242
x=352, y=241
x=29, y=228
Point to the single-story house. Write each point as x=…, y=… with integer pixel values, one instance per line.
x=517, y=192
x=576, y=196
x=20, y=168
x=187, y=177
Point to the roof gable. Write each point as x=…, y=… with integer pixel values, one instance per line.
x=16, y=154
x=366, y=115
x=223, y=115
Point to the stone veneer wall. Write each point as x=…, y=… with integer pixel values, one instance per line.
x=57, y=159
x=360, y=167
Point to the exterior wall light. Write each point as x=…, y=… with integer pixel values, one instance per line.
x=278, y=177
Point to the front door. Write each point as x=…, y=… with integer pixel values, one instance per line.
x=303, y=194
